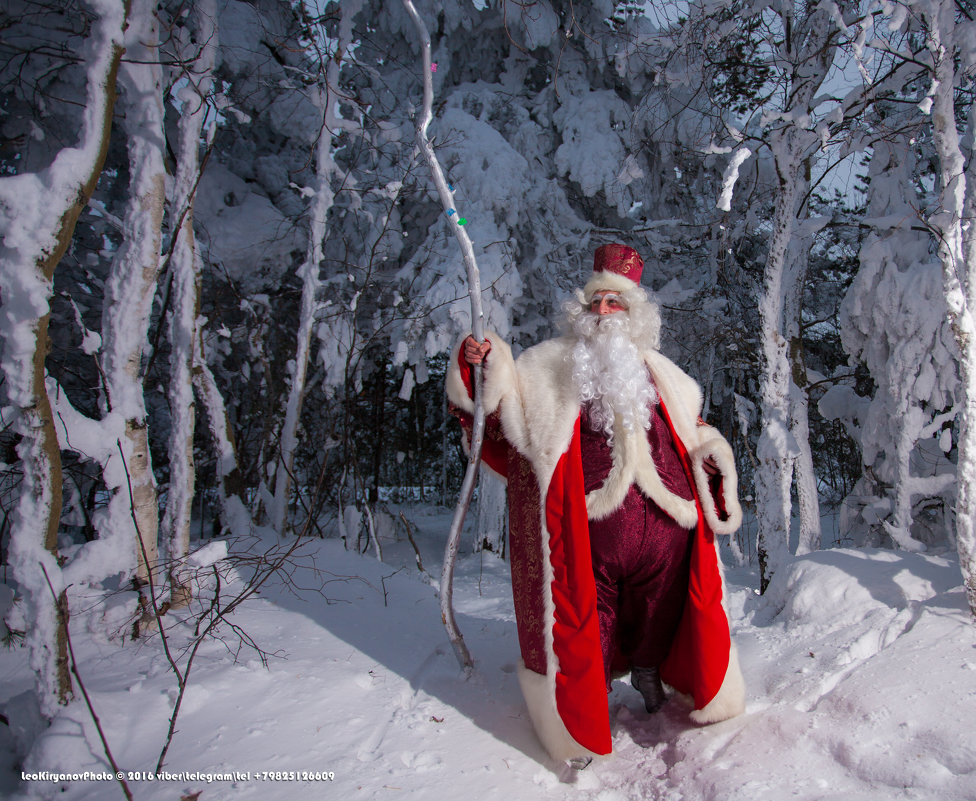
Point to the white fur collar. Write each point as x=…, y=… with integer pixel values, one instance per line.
x=538, y=404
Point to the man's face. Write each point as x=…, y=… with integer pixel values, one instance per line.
x=605, y=301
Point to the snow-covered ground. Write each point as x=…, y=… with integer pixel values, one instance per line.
x=861, y=672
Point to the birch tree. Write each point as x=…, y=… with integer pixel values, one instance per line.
x=38, y=213
x=808, y=501
x=769, y=71
x=196, y=48
x=326, y=99
x=129, y=294
x=894, y=322
x=230, y=484
x=949, y=41
x=806, y=53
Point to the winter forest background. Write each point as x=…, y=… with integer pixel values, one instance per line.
x=229, y=290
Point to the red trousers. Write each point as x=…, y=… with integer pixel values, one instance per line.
x=640, y=555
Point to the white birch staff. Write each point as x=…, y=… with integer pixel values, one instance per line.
x=477, y=331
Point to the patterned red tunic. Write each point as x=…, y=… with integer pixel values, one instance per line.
x=640, y=555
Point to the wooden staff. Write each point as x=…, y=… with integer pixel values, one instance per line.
x=477, y=331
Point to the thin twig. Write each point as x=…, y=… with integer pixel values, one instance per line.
x=383, y=583
x=60, y=604
x=177, y=704
x=181, y=676
x=149, y=568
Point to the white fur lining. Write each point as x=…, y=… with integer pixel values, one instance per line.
x=681, y=394
x=540, y=698
x=721, y=452
x=632, y=464
x=498, y=375
x=606, y=280
x=730, y=700
x=545, y=717
x=539, y=419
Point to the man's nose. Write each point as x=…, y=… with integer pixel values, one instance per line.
x=604, y=307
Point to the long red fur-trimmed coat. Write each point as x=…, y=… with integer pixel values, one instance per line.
x=533, y=441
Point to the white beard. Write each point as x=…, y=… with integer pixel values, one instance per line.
x=610, y=373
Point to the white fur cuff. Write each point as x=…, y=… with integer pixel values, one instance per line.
x=721, y=453
x=498, y=372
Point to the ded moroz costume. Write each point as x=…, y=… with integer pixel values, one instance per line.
x=612, y=525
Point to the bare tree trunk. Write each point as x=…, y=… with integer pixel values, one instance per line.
x=809, y=49
x=904, y=428
x=235, y=516
x=776, y=449
x=183, y=327
x=130, y=289
x=373, y=534
x=34, y=240
x=804, y=475
x=957, y=252
x=492, y=513
x=379, y=419
x=325, y=171
x=808, y=500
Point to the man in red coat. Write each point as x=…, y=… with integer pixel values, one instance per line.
x=616, y=492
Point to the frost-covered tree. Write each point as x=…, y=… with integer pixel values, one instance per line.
x=129, y=294
x=895, y=323
x=194, y=49
x=805, y=53
x=949, y=41
x=39, y=207
x=115, y=436
x=797, y=110
x=329, y=56
x=252, y=218
x=313, y=288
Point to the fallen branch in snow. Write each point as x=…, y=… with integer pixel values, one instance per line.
x=416, y=550
x=477, y=331
x=60, y=607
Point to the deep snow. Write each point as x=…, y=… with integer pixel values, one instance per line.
x=860, y=665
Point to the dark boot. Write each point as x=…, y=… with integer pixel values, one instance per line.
x=647, y=681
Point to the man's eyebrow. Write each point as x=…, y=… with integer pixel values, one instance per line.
x=610, y=295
